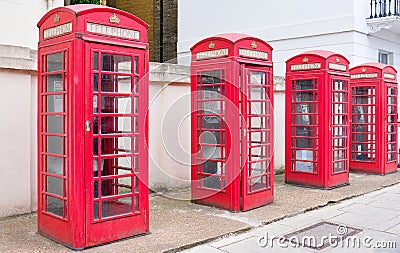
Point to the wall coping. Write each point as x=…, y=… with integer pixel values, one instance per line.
x=25, y=59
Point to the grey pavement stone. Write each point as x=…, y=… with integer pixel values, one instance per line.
x=395, y=229
x=273, y=230
x=365, y=199
x=325, y=213
x=386, y=203
x=204, y=248
x=251, y=245
x=299, y=221
x=350, y=219
x=231, y=239
x=390, y=196
x=369, y=211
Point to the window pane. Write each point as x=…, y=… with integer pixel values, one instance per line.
x=54, y=83
x=116, y=63
x=117, y=207
x=54, y=62
x=54, y=144
x=55, y=165
x=54, y=124
x=55, y=185
x=55, y=206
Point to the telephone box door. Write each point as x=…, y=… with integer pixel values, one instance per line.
x=115, y=146
x=256, y=136
x=304, y=104
x=215, y=170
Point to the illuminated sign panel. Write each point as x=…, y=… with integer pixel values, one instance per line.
x=212, y=54
x=113, y=31
x=339, y=67
x=305, y=66
x=360, y=76
x=57, y=30
x=253, y=54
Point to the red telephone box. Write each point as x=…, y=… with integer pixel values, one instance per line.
x=317, y=131
x=92, y=129
x=374, y=118
x=232, y=122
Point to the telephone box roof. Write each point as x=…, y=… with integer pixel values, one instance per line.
x=325, y=54
x=231, y=37
x=377, y=65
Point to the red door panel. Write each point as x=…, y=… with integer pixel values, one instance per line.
x=115, y=144
x=257, y=143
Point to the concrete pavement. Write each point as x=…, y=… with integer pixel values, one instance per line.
x=369, y=223
x=177, y=224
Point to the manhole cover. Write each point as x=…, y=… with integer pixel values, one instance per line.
x=321, y=235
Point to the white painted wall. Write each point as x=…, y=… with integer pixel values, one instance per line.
x=19, y=19
x=16, y=177
x=291, y=27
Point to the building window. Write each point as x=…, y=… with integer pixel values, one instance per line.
x=385, y=57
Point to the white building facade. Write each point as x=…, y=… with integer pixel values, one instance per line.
x=292, y=27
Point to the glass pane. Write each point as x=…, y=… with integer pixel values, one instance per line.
x=55, y=144
x=111, y=125
x=211, y=92
x=211, y=182
x=136, y=59
x=96, y=82
x=211, y=77
x=55, y=165
x=54, y=124
x=117, y=145
x=257, y=77
x=114, y=166
x=136, y=203
x=95, y=61
x=116, y=63
x=55, y=185
x=55, y=103
x=211, y=167
x=338, y=167
x=116, y=104
x=304, y=85
x=136, y=85
x=55, y=206
x=257, y=93
x=96, y=210
x=54, y=62
x=54, y=83
x=117, y=207
x=304, y=166
x=258, y=183
x=211, y=122
x=116, y=186
x=114, y=83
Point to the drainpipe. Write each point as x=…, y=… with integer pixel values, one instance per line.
x=161, y=30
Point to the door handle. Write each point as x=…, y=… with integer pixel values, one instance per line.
x=87, y=126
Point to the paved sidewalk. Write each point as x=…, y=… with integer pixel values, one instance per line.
x=373, y=220
x=177, y=224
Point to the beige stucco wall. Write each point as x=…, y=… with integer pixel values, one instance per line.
x=169, y=128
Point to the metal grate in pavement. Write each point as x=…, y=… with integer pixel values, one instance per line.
x=321, y=235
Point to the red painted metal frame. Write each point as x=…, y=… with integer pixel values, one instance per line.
x=375, y=76
x=321, y=69
x=75, y=226
x=232, y=196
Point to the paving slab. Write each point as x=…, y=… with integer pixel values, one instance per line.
x=361, y=232
x=177, y=224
